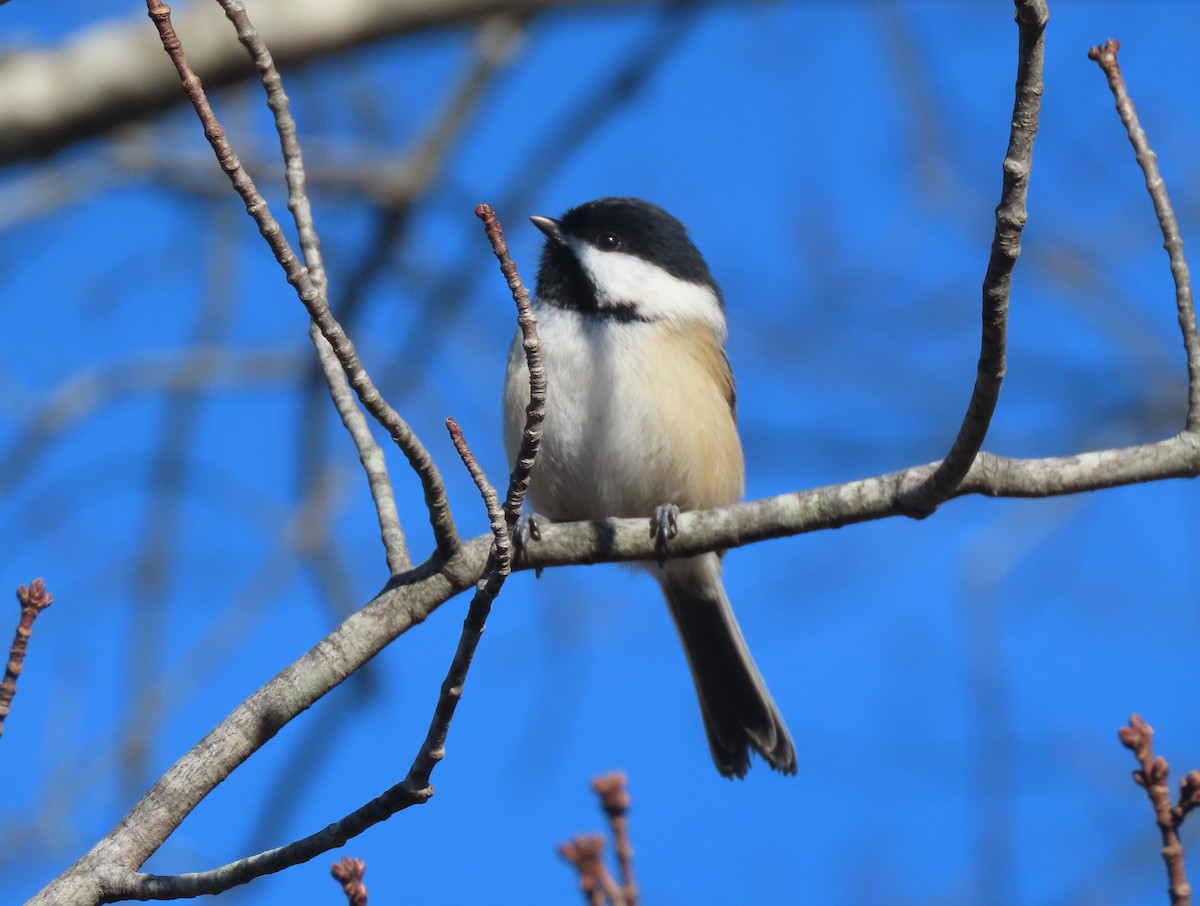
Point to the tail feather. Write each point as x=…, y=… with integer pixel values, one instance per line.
x=739, y=714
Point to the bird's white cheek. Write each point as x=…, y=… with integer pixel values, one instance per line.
x=626, y=280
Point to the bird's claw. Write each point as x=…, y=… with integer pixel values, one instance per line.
x=664, y=525
x=528, y=528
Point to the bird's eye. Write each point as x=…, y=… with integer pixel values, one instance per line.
x=608, y=242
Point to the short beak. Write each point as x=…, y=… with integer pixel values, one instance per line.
x=551, y=227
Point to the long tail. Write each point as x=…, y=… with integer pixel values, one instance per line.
x=739, y=714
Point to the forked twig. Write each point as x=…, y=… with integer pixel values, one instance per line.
x=586, y=851
x=310, y=291
x=415, y=788
x=373, y=461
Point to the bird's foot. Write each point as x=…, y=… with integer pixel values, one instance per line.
x=528, y=528
x=664, y=525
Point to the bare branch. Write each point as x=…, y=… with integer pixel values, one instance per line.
x=864, y=500
x=1011, y=214
x=311, y=297
x=498, y=567
x=412, y=597
x=33, y=600
x=396, y=188
x=373, y=461
x=110, y=76
x=586, y=851
x=1106, y=55
x=370, y=455
x=415, y=788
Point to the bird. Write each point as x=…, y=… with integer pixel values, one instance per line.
x=641, y=421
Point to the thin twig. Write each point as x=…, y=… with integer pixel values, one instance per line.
x=370, y=455
x=535, y=412
x=396, y=189
x=1138, y=737
x=1011, y=214
x=289, y=140
x=33, y=600
x=1106, y=56
x=499, y=563
x=613, y=790
x=415, y=788
x=373, y=461
x=349, y=873
x=309, y=293
x=498, y=567
x=393, y=188
x=586, y=853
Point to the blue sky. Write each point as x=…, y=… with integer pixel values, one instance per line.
x=953, y=685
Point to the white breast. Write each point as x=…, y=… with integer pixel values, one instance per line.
x=634, y=418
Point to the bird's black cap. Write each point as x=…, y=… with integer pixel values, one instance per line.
x=629, y=225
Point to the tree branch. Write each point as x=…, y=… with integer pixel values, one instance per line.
x=108, y=870
x=415, y=788
x=410, y=598
x=109, y=75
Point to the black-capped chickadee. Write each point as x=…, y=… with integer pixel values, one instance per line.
x=640, y=421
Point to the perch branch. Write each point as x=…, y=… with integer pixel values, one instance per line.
x=410, y=598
